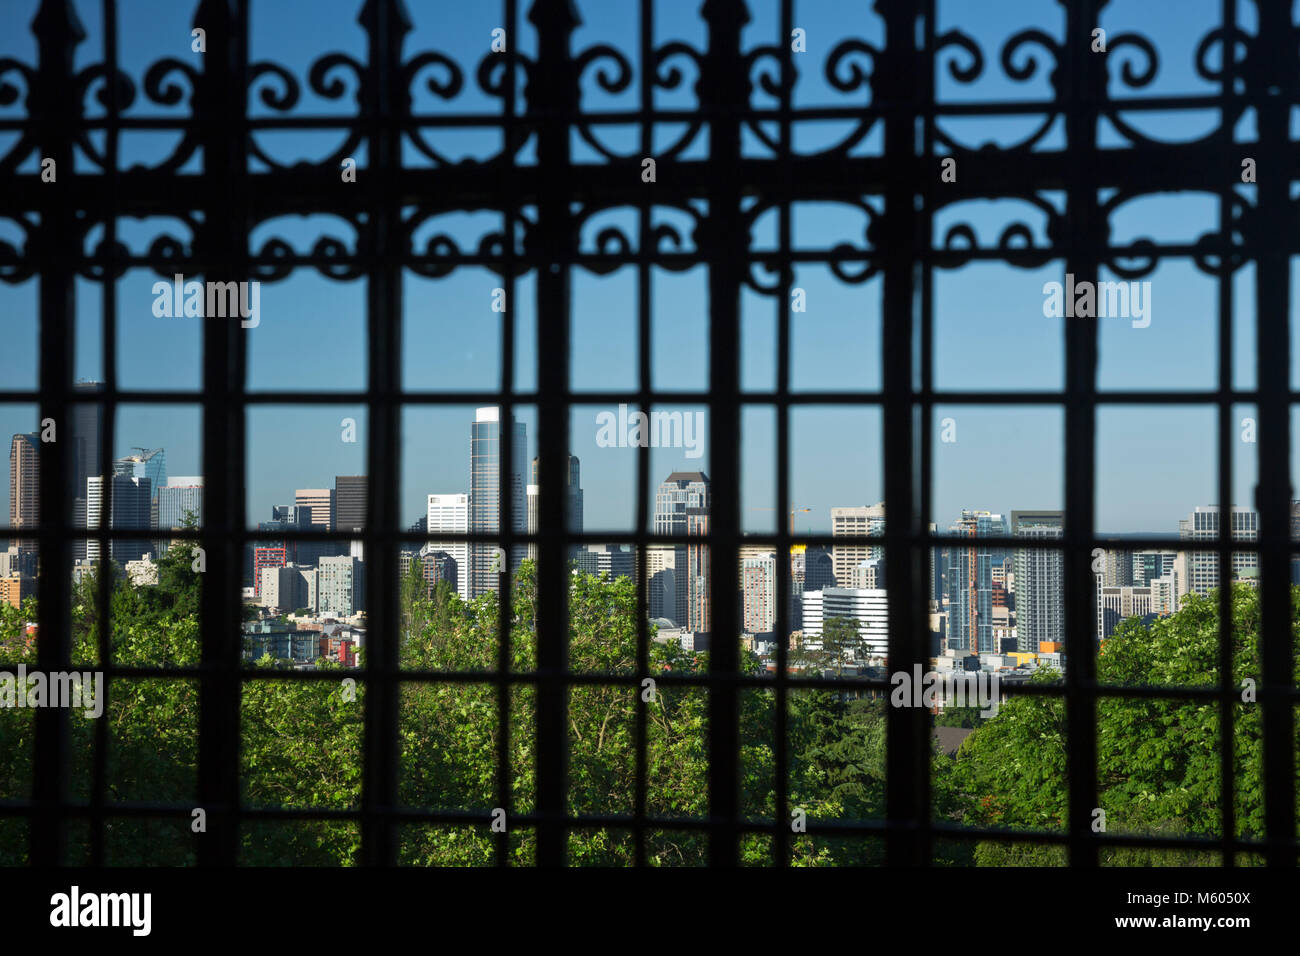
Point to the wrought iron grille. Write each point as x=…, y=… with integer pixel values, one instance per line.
x=212, y=185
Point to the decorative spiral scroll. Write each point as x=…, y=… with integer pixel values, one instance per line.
x=1015, y=245
x=15, y=266
x=955, y=38
x=670, y=79
x=9, y=95
x=612, y=83
x=1019, y=64
x=97, y=75
x=330, y=256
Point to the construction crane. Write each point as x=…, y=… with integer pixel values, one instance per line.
x=792, y=514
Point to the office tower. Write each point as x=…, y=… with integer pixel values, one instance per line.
x=678, y=493
x=144, y=463
x=435, y=566
x=1203, y=566
x=131, y=507
x=288, y=588
x=340, y=586
x=748, y=551
x=534, y=516
x=449, y=514
x=1115, y=604
x=292, y=516
x=869, y=574
x=350, y=512
x=1040, y=580
x=350, y=503
x=1117, y=568
x=759, y=593
x=487, y=498
x=971, y=583
x=861, y=522
x=869, y=608
x=420, y=525
x=698, y=613
x=181, y=496
x=84, y=453
x=1149, y=565
x=25, y=487
x=615, y=560
x=661, y=582
x=935, y=589
x=572, y=493
x=319, y=504
x=819, y=569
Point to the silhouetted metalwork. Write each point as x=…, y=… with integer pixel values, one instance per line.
x=728, y=162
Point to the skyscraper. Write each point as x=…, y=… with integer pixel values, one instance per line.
x=699, y=617
x=971, y=583
x=24, y=486
x=350, y=508
x=661, y=581
x=679, y=493
x=572, y=493
x=340, y=586
x=759, y=593
x=320, y=505
x=87, y=446
x=1203, y=566
x=1040, y=580
x=533, y=495
x=859, y=521
x=350, y=503
x=450, y=514
x=182, y=495
x=487, y=496
x=130, y=511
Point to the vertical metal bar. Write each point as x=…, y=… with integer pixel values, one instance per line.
x=505, y=639
x=1271, y=69
x=385, y=108
x=780, y=749
x=553, y=98
x=1083, y=87
x=645, y=250
x=108, y=300
x=55, y=111
x=1227, y=493
x=724, y=88
x=907, y=730
x=221, y=244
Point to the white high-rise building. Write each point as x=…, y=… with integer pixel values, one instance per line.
x=1039, y=580
x=340, y=586
x=869, y=607
x=491, y=493
x=1203, y=566
x=450, y=514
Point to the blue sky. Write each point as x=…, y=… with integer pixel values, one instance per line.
x=1154, y=464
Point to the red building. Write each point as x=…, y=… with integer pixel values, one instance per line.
x=276, y=557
